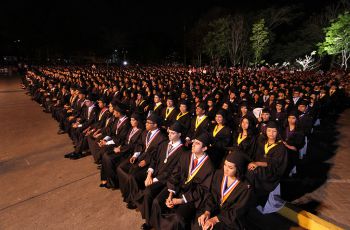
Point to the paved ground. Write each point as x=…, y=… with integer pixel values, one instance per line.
x=39, y=188
x=327, y=172
x=42, y=190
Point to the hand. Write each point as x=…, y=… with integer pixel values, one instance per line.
x=210, y=223
x=142, y=163
x=117, y=149
x=102, y=143
x=252, y=166
x=169, y=202
x=177, y=201
x=132, y=160
x=148, y=181
x=203, y=218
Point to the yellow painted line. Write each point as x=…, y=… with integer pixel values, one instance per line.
x=307, y=220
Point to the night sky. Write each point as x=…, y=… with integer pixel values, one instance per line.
x=99, y=27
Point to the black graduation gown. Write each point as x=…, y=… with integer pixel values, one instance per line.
x=194, y=132
x=218, y=144
x=247, y=146
x=194, y=191
x=294, y=138
x=162, y=171
x=265, y=179
x=111, y=160
x=118, y=135
x=131, y=176
x=185, y=121
x=168, y=121
x=231, y=213
x=158, y=110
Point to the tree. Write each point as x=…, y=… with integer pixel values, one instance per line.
x=306, y=63
x=259, y=39
x=216, y=42
x=337, y=40
x=238, y=39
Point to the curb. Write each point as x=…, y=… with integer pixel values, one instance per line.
x=306, y=219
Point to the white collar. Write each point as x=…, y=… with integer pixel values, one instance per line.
x=174, y=145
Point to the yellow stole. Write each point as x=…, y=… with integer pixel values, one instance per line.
x=240, y=138
x=180, y=115
x=199, y=122
x=267, y=148
x=217, y=130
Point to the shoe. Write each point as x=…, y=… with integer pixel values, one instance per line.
x=131, y=205
x=61, y=131
x=68, y=155
x=146, y=227
x=76, y=156
x=104, y=185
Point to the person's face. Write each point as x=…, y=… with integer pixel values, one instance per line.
x=271, y=133
x=156, y=99
x=292, y=120
x=150, y=125
x=183, y=96
x=199, y=111
x=265, y=116
x=183, y=108
x=245, y=124
x=81, y=96
x=230, y=169
x=278, y=107
x=302, y=108
x=219, y=119
x=110, y=108
x=170, y=103
x=244, y=109
x=101, y=104
x=88, y=103
x=134, y=123
x=116, y=114
x=173, y=136
x=225, y=106
x=296, y=94
x=139, y=96
x=197, y=147
x=272, y=97
x=210, y=103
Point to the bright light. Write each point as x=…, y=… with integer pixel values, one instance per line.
x=125, y=62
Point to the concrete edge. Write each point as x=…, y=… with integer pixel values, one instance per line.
x=306, y=219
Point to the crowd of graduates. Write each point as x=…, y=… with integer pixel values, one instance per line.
x=191, y=148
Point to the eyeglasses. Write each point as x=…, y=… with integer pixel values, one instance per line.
x=149, y=122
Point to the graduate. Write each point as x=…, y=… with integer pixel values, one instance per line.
x=169, y=113
x=184, y=118
x=159, y=171
x=112, y=159
x=133, y=171
x=245, y=139
x=228, y=199
x=199, y=123
x=221, y=136
x=117, y=136
x=268, y=164
x=175, y=207
x=293, y=139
